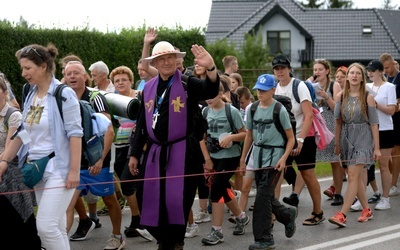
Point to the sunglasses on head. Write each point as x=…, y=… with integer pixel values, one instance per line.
x=281, y=60
x=26, y=50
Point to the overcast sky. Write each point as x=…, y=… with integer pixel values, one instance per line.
x=107, y=16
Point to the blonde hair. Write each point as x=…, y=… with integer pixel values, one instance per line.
x=121, y=70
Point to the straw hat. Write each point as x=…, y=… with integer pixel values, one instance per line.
x=164, y=48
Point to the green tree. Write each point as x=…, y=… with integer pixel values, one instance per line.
x=219, y=49
x=340, y=4
x=314, y=4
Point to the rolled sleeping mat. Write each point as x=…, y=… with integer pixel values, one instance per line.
x=121, y=105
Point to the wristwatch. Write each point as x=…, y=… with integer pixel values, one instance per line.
x=212, y=69
x=301, y=140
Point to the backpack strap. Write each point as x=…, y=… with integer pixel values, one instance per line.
x=59, y=98
x=295, y=89
x=277, y=121
x=229, y=117
x=9, y=112
x=253, y=108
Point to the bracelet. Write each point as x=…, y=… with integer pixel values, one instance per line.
x=212, y=69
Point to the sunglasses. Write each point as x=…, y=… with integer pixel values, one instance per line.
x=281, y=60
x=26, y=50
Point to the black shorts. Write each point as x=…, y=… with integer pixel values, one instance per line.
x=306, y=159
x=386, y=139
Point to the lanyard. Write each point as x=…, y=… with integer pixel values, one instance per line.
x=162, y=96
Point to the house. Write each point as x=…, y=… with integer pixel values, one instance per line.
x=341, y=36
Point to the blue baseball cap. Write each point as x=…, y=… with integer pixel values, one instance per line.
x=265, y=82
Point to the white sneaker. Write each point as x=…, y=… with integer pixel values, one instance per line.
x=201, y=217
x=356, y=206
x=192, y=231
x=383, y=204
x=238, y=194
x=115, y=243
x=394, y=191
x=144, y=234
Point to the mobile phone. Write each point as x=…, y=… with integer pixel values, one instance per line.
x=314, y=78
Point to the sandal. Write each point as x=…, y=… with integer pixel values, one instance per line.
x=315, y=219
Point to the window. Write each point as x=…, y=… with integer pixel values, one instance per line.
x=367, y=30
x=279, y=42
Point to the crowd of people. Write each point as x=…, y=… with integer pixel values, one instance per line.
x=226, y=141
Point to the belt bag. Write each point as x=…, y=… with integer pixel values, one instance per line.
x=32, y=171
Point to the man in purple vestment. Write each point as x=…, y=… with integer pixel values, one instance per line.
x=166, y=123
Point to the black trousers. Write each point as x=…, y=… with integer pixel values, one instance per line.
x=265, y=204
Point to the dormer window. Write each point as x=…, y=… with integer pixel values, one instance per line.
x=367, y=30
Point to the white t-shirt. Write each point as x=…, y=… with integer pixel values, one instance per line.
x=384, y=95
x=304, y=95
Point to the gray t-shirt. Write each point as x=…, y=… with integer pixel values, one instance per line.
x=265, y=133
x=218, y=123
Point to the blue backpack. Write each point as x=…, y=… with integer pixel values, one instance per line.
x=92, y=144
x=310, y=87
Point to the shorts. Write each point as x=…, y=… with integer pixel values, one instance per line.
x=306, y=159
x=92, y=183
x=386, y=139
x=249, y=174
x=371, y=174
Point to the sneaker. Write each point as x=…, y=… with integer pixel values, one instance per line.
x=292, y=200
x=122, y=202
x=330, y=192
x=201, y=217
x=383, y=204
x=103, y=211
x=366, y=215
x=144, y=234
x=375, y=198
x=232, y=219
x=115, y=243
x=130, y=232
x=83, y=230
x=258, y=245
x=213, y=238
x=356, y=206
x=240, y=223
x=238, y=194
x=97, y=222
x=394, y=191
x=290, y=228
x=338, y=200
x=192, y=231
x=339, y=219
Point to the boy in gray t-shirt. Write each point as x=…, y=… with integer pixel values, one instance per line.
x=270, y=153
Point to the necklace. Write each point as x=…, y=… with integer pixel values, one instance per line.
x=378, y=87
x=351, y=108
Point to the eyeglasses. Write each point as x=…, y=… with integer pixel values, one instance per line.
x=26, y=50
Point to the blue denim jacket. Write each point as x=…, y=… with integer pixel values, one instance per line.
x=60, y=131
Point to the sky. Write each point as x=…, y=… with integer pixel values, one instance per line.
x=109, y=17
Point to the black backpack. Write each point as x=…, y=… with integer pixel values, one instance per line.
x=281, y=101
x=92, y=144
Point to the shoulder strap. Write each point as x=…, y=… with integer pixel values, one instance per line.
x=10, y=110
x=93, y=94
x=331, y=87
x=59, y=98
x=276, y=117
x=229, y=117
x=253, y=108
x=295, y=90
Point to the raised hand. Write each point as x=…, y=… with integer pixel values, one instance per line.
x=150, y=36
x=202, y=57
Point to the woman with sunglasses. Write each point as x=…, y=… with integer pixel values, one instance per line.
x=44, y=133
x=305, y=153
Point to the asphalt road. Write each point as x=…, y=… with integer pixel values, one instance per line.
x=382, y=232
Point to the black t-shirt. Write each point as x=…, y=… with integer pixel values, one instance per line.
x=100, y=105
